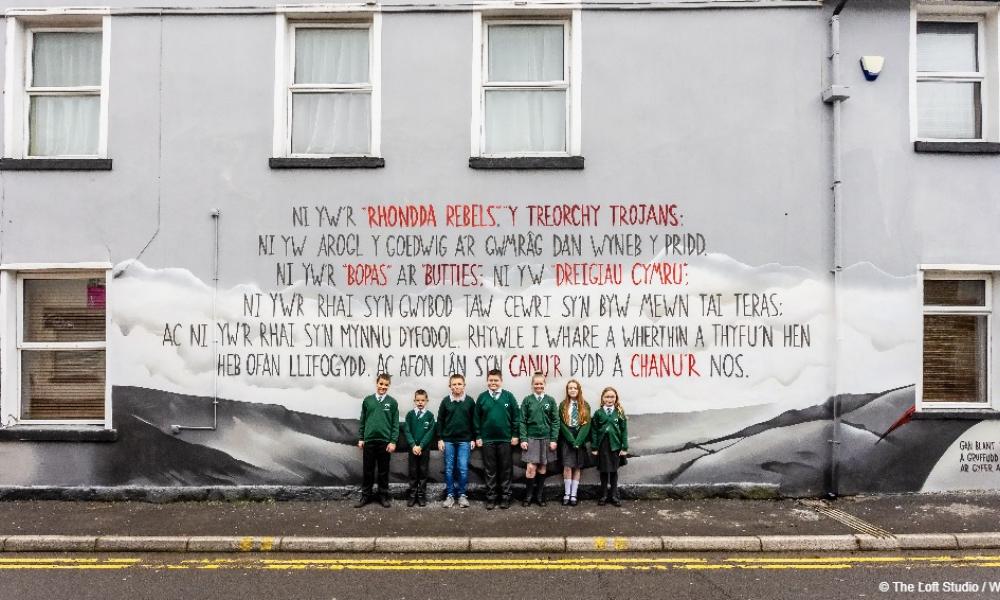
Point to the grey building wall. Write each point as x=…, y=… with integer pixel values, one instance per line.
x=717, y=110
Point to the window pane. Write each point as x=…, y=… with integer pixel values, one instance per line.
x=335, y=123
x=954, y=358
x=948, y=110
x=526, y=53
x=945, y=46
x=64, y=310
x=331, y=55
x=62, y=384
x=64, y=125
x=66, y=59
x=954, y=292
x=525, y=121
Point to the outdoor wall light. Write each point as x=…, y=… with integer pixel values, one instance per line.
x=872, y=66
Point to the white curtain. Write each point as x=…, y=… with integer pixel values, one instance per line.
x=944, y=47
x=525, y=53
x=331, y=55
x=61, y=125
x=331, y=123
x=66, y=59
x=525, y=121
x=948, y=110
x=64, y=125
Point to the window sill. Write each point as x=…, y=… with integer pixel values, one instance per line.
x=55, y=164
x=975, y=414
x=58, y=433
x=332, y=162
x=527, y=162
x=957, y=147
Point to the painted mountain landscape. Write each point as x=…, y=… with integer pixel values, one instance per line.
x=267, y=444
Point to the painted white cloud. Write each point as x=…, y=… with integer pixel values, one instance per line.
x=878, y=349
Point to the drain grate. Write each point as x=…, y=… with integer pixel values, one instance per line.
x=860, y=525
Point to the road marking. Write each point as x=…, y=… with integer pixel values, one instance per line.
x=483, y=560
x=582, y=563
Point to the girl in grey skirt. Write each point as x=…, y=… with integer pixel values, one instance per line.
x=574, y=431
x=539, y=430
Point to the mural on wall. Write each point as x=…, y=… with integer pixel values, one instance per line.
x=723, y=367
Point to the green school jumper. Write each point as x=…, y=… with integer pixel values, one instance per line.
x=419, y=432
x=456, y=420
x=379, y=420
x=539, y=419
x=613, y=426
x=496, y=420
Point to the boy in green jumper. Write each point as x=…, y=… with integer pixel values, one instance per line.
x=378, y=430
x=456, y=437
x=496, y=420
x=419, y=430
x=539, y=429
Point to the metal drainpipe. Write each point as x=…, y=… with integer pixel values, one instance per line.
x=176, y=429
x=834, y=95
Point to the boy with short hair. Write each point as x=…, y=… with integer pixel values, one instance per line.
x=496, y=421
x=418, y=429
x=539, y=430
x=456, y=432
x=378, y=430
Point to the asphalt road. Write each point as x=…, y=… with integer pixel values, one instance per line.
x=921, y=575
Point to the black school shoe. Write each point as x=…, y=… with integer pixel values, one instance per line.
x=422, y=500
x=572, y=500
x=384, y=501
x=363, y=501
x=491, y=504
x=412, y=501
x=602, y=501
x=504, y=503
x=615, y=501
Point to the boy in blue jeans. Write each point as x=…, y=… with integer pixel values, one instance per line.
x=456, y=432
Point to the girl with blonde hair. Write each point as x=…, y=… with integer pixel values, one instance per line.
x=609, y=443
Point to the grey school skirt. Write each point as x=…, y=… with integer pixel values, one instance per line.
x=575, y=458
x=538, y=453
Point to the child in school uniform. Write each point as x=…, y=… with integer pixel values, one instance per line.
x=496, y=421
x=419, y=430
x=609, y=442
x=538, y=430
x=456, y=435
x=378, y=430
x=574, y=433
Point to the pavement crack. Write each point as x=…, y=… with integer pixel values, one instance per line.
x=720, y=591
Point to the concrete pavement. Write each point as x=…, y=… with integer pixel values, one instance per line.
x=900, y=522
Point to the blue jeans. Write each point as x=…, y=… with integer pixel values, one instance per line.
x=453, y=450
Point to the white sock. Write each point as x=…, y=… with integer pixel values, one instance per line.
x=567, y=487
x=574, y=484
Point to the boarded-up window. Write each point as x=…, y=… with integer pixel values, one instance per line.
x=956, y=334
x=62, y=349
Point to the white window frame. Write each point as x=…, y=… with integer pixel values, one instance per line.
x=990, y=275
x=284, y=85
x=18, y=64
x=987, y=61
x=12, y=342
x=571, y=82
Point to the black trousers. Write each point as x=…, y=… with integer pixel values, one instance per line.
x=418, y=472
x=498, y=461
x=373, y=456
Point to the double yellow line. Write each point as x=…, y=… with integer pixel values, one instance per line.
x=497, y=564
